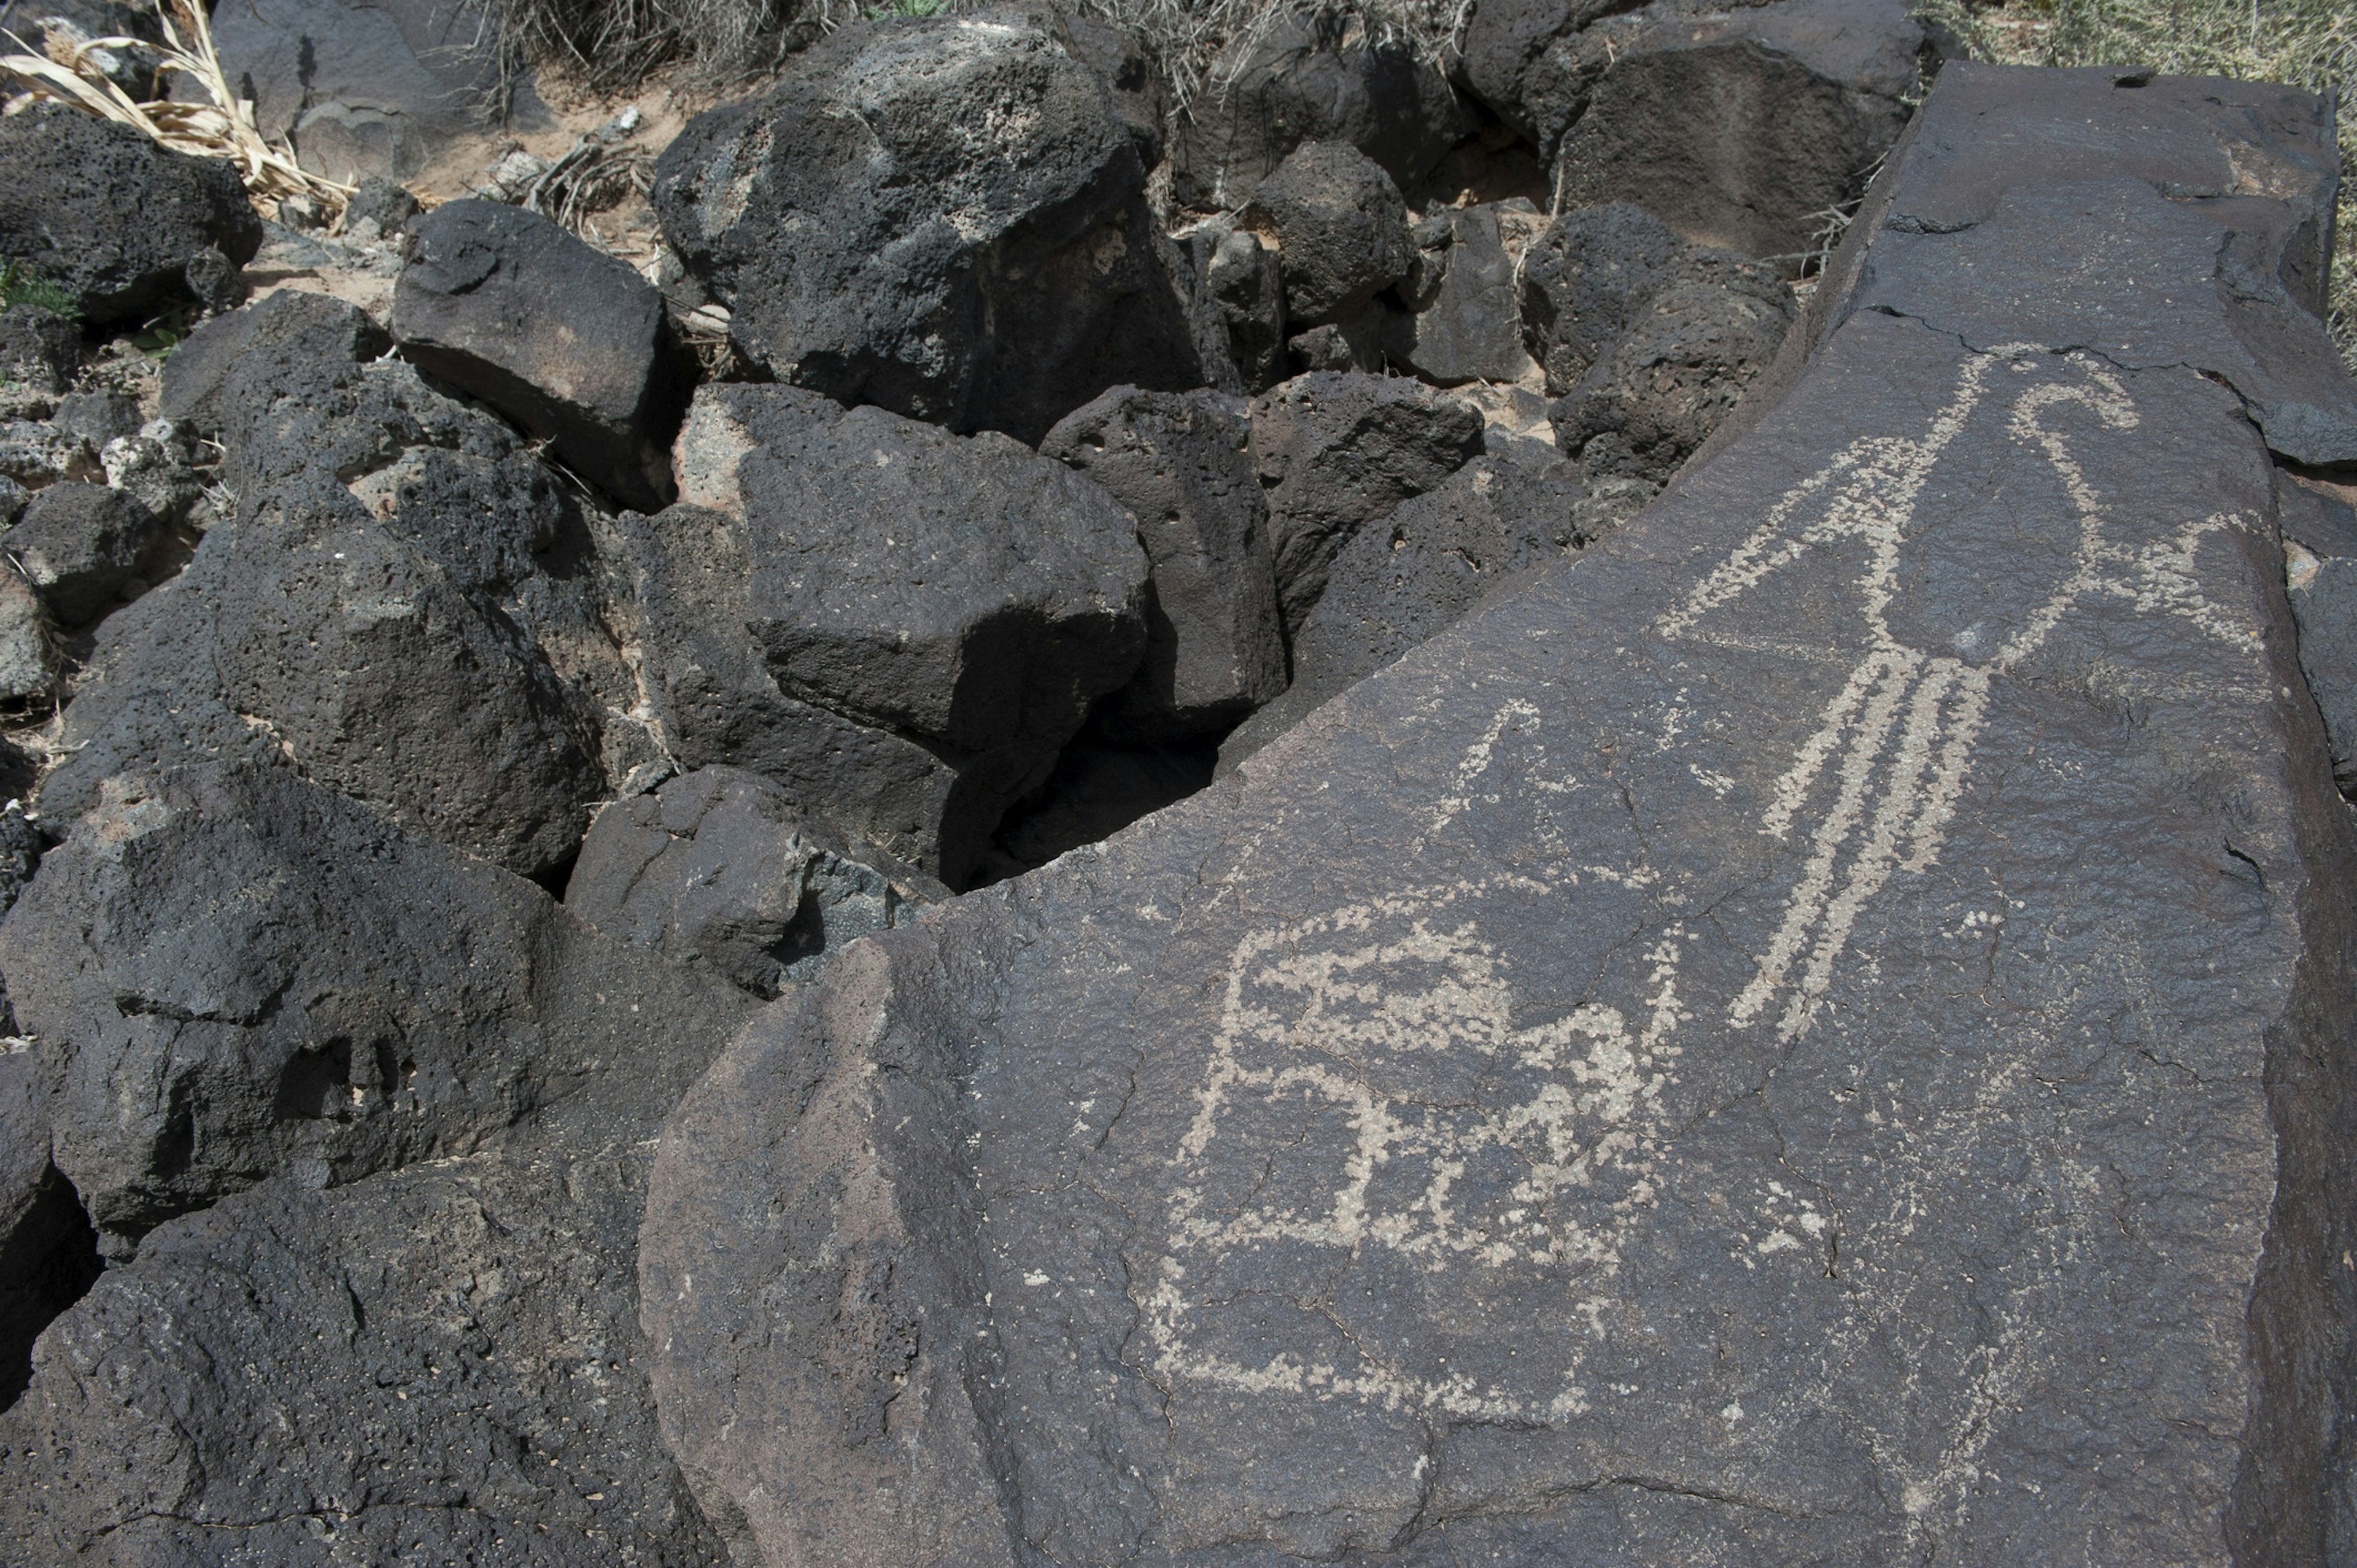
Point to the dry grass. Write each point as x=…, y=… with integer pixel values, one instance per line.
x=222, y=125
x=2307, y=43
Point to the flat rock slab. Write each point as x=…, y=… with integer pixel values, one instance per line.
x=1817, y=1034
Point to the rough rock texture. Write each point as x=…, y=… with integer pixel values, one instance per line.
x=39, y=349
x=1404, y=580
x=566, y=340
x=1181, y=463
x=46, y=1253
x=76, y=544
x=1335, y=451
x=942, y=217
x=720, y=870
x=1584, y=281
x=1311, y=77
x=1247, y=286
x=1668, y=381
x=1465, y=320
x=286, y=325
x=110, y=217
x=1341, y=230
x=232, y=974
x=2319, y=529
x=28, y=660
x=899, y=625
x=1820, y=1034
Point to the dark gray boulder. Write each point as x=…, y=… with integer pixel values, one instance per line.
x=1247, y=286
x=231, y=974
x=1678, y=370
x=1099, y=787
x=383, y=203
x=1584, y=281
x=1821, y=1033
x=944, y=217
x=718, y=870
x=1309, y=76
x=39, y=349
x=76, y=544
x=963, y=597
x=47, y=1253
x=1437, y=558
x=567, y=342
x=1356, y=343
x=1341, y=230
x=1338, y=451
x=110, y=217
x=287, y=327
x=1464, y=323
x=1181, y=463
x=28, y=654
x=2319, y=529
x=98, y=418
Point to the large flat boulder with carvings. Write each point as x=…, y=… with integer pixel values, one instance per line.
x=1819, y=1032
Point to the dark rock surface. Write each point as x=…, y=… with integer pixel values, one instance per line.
x=231, y=974
x=28, y=661
x=1335, y=451
x=1341, y=230
x=1404, y=580
x=1466, y=324
x=1584, y=281
x=911, y=181
x=720, y=870
x=1310, y=76
x=39, y=349
x=1181, y=463
x=1821, y=1033
x=1246, y=287
x=282, y=328
x=110, y=217
x=48, y=1254
x=566, y=340
x=2319, y=529
x=76, y=544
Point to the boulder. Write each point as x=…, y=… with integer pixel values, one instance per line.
x=720, y=871
x=1821, y=1033
x=1335, y=451
x=2319, y=529
x=111, y=218
x=77, y=545
x=1340, y=230
x=1356, y=344
x=28, y=657
x=1308, y=76
x=47, y=1255
x=961, y=594
x=383, y=203
x=98, y=418
x=1240, y=274
x=1181, y=463
x=1585, y=280
x=231, y=974
x=1685, y=361
x=290, y=325
x=566, y=340
x=1464, y=323
x=39, y=349
x=946, y=218
x=1434, y=561
x=156, y=466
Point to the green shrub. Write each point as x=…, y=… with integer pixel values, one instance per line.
x=19, y=284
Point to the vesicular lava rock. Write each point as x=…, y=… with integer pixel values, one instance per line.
x=1821, y=1033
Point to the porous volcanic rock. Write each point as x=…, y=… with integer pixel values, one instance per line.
x=1240, y=274
x=566, y=340
x=1335, y=451
x=720, y=870
x=1464, y=322
x=1311, y=76
x=1340, y=229
x=105, y=214
x=289, y=325
x=48, y=1256
x=1820, y=1033
x=944, y=217
x=2319, y=529
x=1181, y=463
x=1585, y=279
x=28, y=660
x=77, y=544
x=39, y=349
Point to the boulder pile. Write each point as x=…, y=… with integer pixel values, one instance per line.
x=1387, y=819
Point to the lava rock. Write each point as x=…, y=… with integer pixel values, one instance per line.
x=1126, y=60
x=48, y=1254
x=287, y=325
x=942, y=217
x=1432, y=562
x=28, y=657
x=113, y=219
x=720, y=870
x=1356, y=344
x=2320, y=531
x=1678, y=371
x=1586, y=279
x=156, y=468
x=1338, y=451
x=1825, y=938
x=38, y=349
x=566, y=340
x=98, y=418
x=77, y=545
x=382, y=202
x=234, y=975
x=1341, y=230
x=1098, y=789
x=1303, y=77
x=1181, y=463
x=1240, y=274
x=1467, y=326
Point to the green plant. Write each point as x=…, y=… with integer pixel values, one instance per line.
x=19, y=284
x=2308, y=43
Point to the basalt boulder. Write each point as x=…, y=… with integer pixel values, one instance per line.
x=39, y=349
x=1247, y=286
x=1340, y=230
x=76, y=544
x=1463, y=321
x=287, y=325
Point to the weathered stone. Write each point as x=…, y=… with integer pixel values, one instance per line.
x=1356, y=344
x=1821, y=1033
x=38, y=349
x=944, y=217
x=1242, y=277
x=1586, y=279
x=232, y=974
x=1470, y=329
x=382, y=202
x=2319, y=529
x=156, y=468
x=1311, y=77
x=566, y=340
x=35, y=453
x=28, y=660
x=97, y=209
x=48, y=1257
x=1401, y=582
x=78, y=544
x=1341, y=230
x=720, y=871
x=283, y=325
x=1182, y=464
x=1336, y=451
x=98, y=418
